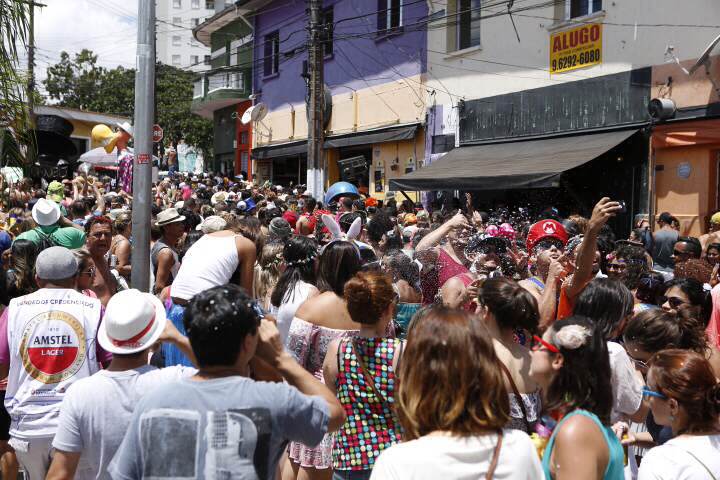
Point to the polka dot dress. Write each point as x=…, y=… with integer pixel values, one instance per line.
x=371, y=425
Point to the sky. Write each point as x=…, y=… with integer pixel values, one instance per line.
x=107, y=27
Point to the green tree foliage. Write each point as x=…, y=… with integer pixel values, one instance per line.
x=14, y=115
x=80, y=83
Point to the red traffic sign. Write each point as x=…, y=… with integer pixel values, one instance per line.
x=157, y=133
x=143, y=158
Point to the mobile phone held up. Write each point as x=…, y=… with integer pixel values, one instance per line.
x=623, y=206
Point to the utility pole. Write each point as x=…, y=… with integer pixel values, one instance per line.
x=316, y=123
x=142, y=173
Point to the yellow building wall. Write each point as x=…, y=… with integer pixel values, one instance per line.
x=692, y=200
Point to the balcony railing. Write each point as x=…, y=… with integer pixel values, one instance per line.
x=226, y=80
x=211, y=82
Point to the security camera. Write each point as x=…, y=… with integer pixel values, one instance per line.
x=662, y=108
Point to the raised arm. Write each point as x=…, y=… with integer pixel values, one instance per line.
x=436, y=236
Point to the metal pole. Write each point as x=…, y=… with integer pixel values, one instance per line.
x=651, y=179
x=142, y=173
x=316, y=133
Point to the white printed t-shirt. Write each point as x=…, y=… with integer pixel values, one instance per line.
x=683, y=458
x=51, y=344
x=96, y=412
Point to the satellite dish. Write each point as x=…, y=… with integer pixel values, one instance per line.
x=705, y=57
x=254, y=114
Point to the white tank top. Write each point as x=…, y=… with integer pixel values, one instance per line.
x=210, y=262
x=51, y=336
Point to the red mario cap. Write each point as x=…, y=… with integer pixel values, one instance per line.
x=545, y=229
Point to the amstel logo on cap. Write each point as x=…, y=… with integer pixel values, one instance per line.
x=53, y=347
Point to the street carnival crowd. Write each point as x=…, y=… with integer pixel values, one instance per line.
x=347, y=338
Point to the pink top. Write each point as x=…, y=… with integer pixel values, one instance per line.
x=445, y=268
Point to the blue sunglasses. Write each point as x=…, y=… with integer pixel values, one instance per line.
x=652, y=393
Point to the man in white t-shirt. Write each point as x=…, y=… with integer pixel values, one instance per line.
x=47, y=342
x=96, y=411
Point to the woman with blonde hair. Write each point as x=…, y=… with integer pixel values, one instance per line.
x=267, y=273
x=453, y=406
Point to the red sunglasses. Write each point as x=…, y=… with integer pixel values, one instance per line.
x=538, y=342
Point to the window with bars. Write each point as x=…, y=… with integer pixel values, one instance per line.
x=389, y=14
x=581, y=8
x=271, y=60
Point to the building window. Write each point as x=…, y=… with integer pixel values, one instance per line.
x=194, y=59
x=244, y=161
x=206, y=60
x=468, y=23
x=327, y=33
x=195, y=22
x=243, y=138
x=580, y=8
x=177, y=3
x=177, y=20
x=176, y=40
x=176, y=60
x=271, y=61
x=209, y=4
x=389, y=14
x=443, y=143
x=195, y=4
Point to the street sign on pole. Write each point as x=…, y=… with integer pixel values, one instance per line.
x=142, y=170
x=157, y=133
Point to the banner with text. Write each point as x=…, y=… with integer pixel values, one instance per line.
x=579, y=47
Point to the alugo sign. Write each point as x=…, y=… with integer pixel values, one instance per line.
x=576, y=48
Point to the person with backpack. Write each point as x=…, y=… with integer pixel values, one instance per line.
x=53, y=229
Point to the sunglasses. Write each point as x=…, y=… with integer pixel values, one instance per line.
x=652, y=393
x=90, y=272
x=674, y=302
x=543, y=245
x=538, y=343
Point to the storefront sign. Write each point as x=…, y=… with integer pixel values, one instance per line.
x=579, y=47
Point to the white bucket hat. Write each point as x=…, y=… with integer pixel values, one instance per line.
x=133, y=322
x=168, y=216
x=45, y=212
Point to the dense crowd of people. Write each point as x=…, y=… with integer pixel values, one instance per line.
x=287, y=337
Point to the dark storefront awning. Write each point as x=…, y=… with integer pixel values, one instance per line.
x=391, y=134
x=381, y=135
x=282, y=150
x=500, y=166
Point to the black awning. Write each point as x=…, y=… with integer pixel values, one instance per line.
x=282, y=150
x=500, y=166
x=390, y=134
x=380, y=135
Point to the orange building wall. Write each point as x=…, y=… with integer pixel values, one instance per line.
x=691, y=200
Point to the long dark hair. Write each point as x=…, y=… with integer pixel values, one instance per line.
x=655, y=329
x=510, y=304
x=699, y=298
x=606, y=302
x=299, y=256
x=583, y=382
x=24, y=254
x=339, y=262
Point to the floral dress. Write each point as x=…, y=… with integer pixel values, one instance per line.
x=309, y=343
x=371, y=425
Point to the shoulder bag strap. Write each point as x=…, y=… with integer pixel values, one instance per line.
x=495, y=457
x=516, y=392
x=707, y=469
x=368, y=378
